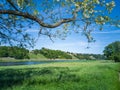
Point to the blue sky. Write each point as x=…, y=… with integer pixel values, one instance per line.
x=77, y=43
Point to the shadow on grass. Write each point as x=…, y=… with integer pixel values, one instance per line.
x=12, y=77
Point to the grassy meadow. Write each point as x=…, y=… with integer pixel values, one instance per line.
x=86, y=75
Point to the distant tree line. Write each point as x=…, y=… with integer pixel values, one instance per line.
x=89, y=56
x=111, y=52
x=53, y=54
x=14, y=52
x=57, y=54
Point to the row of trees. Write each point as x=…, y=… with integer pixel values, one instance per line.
x=90, y=56
x=14, y=52
x=111, y=52
x=53, y=54
x=57, y=54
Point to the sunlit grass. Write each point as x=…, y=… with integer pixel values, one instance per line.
x=88, y=75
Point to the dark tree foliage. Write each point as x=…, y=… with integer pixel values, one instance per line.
x=57, y=54
x=112, y=51
x=14, y=52
x=53, y=54
x=90, y=56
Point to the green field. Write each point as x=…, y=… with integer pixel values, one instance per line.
x=86, y=75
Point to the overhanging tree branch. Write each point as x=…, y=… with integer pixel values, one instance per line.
x=47, y=16
x=36, y=19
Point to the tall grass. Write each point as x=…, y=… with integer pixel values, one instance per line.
x=95, y=75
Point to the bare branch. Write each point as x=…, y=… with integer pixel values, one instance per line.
x=12, y=4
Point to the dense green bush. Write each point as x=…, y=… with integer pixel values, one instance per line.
x=117, y=58
x=112, y=51
x=14, y=52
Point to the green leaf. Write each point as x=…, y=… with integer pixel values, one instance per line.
x=20, y=3
x=36, y=12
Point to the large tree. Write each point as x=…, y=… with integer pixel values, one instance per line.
x=112, y=51
x=17, y=16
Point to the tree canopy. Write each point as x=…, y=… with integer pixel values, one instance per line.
x=18, y=16
x=14, y=52
x=112, y=51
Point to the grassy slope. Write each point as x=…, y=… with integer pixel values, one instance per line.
x=38, y=56
x=42, y=57
x=89, y=75
x=33, y=57
x=74, y=58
